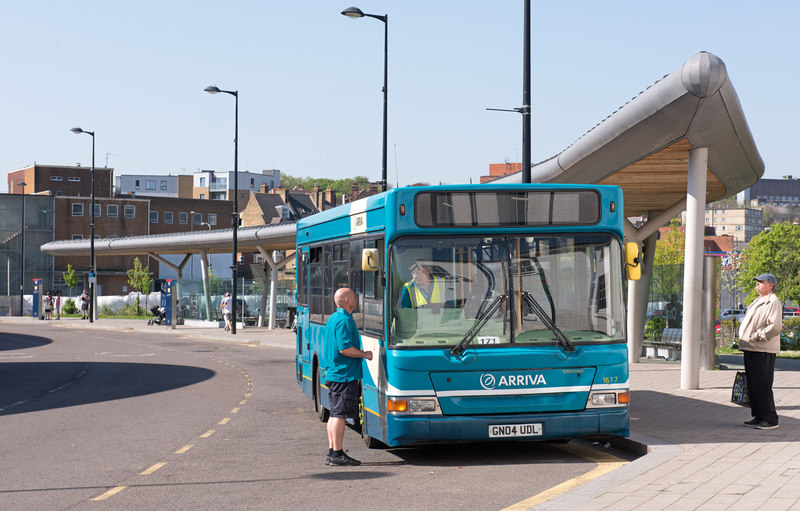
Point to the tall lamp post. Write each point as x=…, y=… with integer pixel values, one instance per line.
x=92, y=270
x=22, y=254
x=355, y=12
x=213, y=89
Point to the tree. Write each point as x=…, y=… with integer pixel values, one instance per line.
x=139, y=280
x=668, y=262
x=70, y=278
x=339, y=186
x=775, y=251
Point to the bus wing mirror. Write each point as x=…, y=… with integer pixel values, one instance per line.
x=369, y=259
x=633, y=261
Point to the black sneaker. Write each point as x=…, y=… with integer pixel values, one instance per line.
x=342, y=461
x=752, y=423
x=766, y=425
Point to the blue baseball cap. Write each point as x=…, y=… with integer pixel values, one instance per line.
x=766, y=277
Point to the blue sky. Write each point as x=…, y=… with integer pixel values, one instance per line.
x=310, y=80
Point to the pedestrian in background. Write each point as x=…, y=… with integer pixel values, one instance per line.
x=760, y=341
x=225, y=307
x=84, y=298
x=58, y=304
x=342, y=361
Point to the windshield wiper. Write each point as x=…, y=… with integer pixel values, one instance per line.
x=481, y=320
x=534, y=305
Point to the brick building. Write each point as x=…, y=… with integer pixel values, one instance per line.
x=61, y=180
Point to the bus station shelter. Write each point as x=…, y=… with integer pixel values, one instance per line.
x=678, y=145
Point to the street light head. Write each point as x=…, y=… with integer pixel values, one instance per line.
x=353, y=12
x=22, y=183
x=212, y=89
x=76, y=130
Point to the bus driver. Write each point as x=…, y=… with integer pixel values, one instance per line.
x=422, y=289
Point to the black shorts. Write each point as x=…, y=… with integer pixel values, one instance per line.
x=343, y=398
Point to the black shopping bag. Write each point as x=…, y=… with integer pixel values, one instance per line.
x=739, y=393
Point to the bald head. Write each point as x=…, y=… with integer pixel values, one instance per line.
x=345, y=298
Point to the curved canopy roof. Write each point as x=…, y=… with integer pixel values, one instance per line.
x=643, y=147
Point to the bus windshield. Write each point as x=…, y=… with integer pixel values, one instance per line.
x=480, y=292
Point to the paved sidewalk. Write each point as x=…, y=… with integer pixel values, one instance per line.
x=700, y=456
x=263, y=336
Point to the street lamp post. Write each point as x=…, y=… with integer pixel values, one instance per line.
x=22, y=254
x=355, y=12
x=92, y=269
x=213, y=89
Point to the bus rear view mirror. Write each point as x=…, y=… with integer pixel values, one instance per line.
x=369, y=259
x=632, y=261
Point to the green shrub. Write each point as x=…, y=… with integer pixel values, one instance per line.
x=790, y=335
x=69, y=307
x=653, y=328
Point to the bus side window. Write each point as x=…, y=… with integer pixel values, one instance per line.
x=373, y=292
x=357, y=280
x=315, y=284
x=328, y=305
x=301, y=262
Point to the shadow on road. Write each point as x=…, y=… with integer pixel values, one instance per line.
x=479, y=454
x=13, y=341
x=34, y=386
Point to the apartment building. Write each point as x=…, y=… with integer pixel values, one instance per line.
x=154, y=185
x=209, y=184
x=740, y=222
x=61, y=180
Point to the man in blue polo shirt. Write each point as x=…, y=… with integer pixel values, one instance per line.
x=342, y=356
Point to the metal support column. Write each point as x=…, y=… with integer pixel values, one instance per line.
x=693, y=268
x=206, y=287
x=711, y=271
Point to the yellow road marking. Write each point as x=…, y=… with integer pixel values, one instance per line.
x=183, y=449
x=208, y=433
x=605, y=463
x=110, y=493
x=247, y=395
x=225, y=420
x=153, y=468
x=243, y=401
x=235, y=410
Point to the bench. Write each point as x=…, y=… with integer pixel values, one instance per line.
x=667, y=345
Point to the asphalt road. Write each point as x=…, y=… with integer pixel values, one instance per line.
x=103, y=419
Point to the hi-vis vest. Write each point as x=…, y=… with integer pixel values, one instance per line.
x=418, y=298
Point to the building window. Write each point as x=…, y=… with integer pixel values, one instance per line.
x=202, y=181
x=75, y=180
x=154, y=217
x=137, y=184
x=197, y=218
x=167, y=217
x=212, y=219
x=150, y=184
x=130, y=211
x=183, y=218
x=77, y=209
x=112, y=210
x=163, y=184
x=59, y=193
x=202, y=196
x=98, y=210
x=252, y=182
x=77, y=236
x=56, y=178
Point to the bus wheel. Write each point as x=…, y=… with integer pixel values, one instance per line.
x=322, y=412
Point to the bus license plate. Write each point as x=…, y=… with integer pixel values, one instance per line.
x=515, y=430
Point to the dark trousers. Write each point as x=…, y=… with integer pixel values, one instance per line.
x=760, y=370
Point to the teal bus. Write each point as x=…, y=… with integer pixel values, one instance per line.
x=521, y=334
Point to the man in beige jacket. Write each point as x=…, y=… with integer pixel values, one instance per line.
x=760, y=341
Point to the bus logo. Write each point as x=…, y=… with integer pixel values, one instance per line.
x=489, y=382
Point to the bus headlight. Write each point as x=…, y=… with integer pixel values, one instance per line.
x=411, y=405
x=606, y=398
